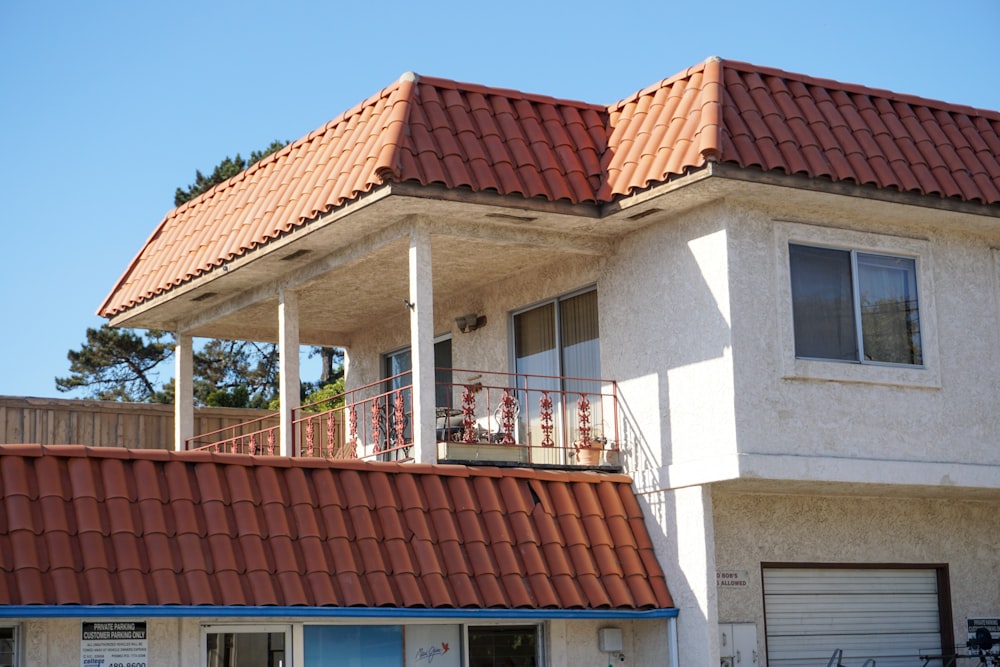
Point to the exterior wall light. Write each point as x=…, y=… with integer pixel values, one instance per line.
x=470, y=322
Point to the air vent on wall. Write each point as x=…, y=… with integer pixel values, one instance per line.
x=294, y=255
x=643, y=214
x=512, y=218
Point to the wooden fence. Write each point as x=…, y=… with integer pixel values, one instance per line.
x=55, y=421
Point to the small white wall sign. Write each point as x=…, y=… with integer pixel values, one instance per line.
x=732, y=579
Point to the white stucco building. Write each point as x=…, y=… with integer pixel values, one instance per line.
x=772, y=300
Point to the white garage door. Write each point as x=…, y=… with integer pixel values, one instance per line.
x=890, y=615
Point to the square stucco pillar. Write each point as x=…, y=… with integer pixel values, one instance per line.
x=288, y=367
x=183, y=391
x=693, y=567
x=681, y=523
x=422, y=346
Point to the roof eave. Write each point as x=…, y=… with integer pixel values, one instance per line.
x=850, y=189
x=384, y=613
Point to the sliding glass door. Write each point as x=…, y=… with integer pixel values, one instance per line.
x=558, y=344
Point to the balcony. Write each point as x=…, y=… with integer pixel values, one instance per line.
x=495, y=419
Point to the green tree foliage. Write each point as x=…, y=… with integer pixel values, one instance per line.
x=223, y=171
x=124, y=364
x=236, y=374
x=327, y=397
x=119, y=365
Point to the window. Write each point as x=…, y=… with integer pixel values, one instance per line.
x=854, y=306
x=8, y=646
x=421, y=645
x=398, y=365
x=558, y=343
x=397, y=372
x=353, y=645
x=247, y=647
x=504, y=646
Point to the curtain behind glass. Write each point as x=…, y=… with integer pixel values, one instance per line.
x=823, y=303
x=535, y=341
x=890, y=321
x=581, y=341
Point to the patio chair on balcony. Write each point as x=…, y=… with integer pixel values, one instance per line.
x=386, y=448
x=493, y=429
x=449, y=424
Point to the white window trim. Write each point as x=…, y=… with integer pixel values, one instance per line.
x=926, y=376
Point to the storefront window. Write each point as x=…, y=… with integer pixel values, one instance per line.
x=504, y=646
x=247, y=648
x=8, y=646
x=353, y=645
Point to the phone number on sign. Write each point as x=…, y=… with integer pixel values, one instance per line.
x=127, y=664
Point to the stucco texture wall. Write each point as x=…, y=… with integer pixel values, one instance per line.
x=751, y=529
x=665, y=297
x=171, y=642
x=944, y=412
x=574, y=643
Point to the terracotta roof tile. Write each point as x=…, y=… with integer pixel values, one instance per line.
x=427, y=131
x=234, y=531
x=434, y=131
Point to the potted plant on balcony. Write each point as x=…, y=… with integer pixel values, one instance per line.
x=589, y=451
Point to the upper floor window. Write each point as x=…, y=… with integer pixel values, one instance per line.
x=854, y=306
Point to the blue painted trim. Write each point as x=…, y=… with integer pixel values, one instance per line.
x=118, y=611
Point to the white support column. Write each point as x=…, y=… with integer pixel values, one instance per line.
x=183, y=391
x=688, y=524
x=288, y=366
x=422, y=346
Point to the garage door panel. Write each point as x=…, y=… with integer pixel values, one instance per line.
x=841, y=582
x=884, y=650
x=881, y=603
x=889, y=614
x=848, y=623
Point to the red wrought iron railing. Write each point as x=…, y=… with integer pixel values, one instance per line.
x=369, y=422
x=529, y=419
x=259, y=436
x=507, y=418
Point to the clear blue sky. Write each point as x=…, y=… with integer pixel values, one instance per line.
x=106, y=107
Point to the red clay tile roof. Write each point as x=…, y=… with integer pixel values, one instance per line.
x=427, y=131
x=103, y=526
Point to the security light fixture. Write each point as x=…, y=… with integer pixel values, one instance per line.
x=470, y=322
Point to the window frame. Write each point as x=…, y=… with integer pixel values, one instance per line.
x=541, y=639
x=855, y=260
x=926, y=375
x=248, y=628
x=561, y=382
x=540, y=629
x=17, y=654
